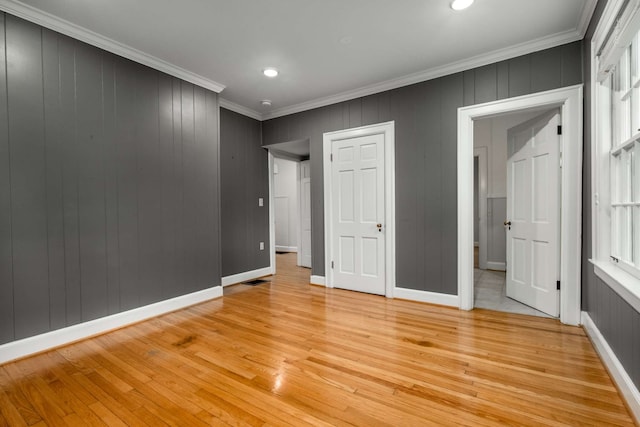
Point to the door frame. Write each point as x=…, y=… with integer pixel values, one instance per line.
x=388, y=129
x=483, y=185
x=569, y=100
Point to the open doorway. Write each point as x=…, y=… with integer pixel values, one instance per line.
x=492, y=154
x=290, y=214
x=569, y=102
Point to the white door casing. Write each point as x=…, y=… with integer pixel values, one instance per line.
x=359, y=211
x=569, y=100
x=304, y=197
x=533, y=216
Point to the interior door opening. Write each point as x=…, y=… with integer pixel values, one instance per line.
x=492, y=201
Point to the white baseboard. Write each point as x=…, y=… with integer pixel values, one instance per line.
x=617, y=371
x=500, y=266
x=247, y=275
x=286, y=248
x=425, y=296
x=317, y=280
x=49, y=340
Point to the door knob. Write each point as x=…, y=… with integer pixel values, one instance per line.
x=379, y=227
x=507, y=224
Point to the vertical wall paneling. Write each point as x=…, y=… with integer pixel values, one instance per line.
x=149, y=192
x=502, y=79
x=109, y=133
x=91, y=181
x=177, y=189
x=430, y=197
x=572, y=64
x=520, y=76
x=108, y=183
x=127, y=164
x=243, y=179
x=54, y=162
x=546, y=69
x=168, y=208
x=28, y=184
x=486, y=84
x=425, y=116
x=451, y=100
x=67, y=115
x=6, y=247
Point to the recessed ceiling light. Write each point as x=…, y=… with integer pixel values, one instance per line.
x=461, y=4
x=270, y=72
x=266, y=103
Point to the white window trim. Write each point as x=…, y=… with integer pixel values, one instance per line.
x=622, y=282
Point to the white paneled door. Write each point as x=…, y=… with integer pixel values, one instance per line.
x=358, y=213
x=533, y=212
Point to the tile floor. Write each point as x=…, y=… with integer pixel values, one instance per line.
x=490, y=292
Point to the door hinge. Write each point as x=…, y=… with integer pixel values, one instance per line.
x=331, y=264
x=558, y=285
x=559, y=130
x=331, y=157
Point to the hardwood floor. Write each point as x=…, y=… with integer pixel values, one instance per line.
x=287, y=353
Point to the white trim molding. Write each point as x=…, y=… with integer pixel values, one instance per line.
x=498, y=266
x=426, y=296
x=388, y=129
x=247, y=275
x=47, y=20
x=49, y=340
x=615, y=368
x=493, y=57
x=317, y=280
x=569, y=100
x=286, y=248
x=237, y=108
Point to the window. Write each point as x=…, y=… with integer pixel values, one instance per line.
x=624, y=86
x=616, y=148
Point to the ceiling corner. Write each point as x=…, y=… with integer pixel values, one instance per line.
x=37, y=16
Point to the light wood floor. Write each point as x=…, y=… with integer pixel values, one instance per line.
x=287, y=353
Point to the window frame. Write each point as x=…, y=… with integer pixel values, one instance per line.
x=616, y=31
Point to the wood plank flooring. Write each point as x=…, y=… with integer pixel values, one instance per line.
x=286, y=353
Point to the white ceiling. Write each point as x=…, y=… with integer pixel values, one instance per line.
x=326, y=50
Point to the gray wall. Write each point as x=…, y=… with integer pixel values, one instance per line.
x=108, y=183
x=614, y=317
x=244, y=177
x=425, y=115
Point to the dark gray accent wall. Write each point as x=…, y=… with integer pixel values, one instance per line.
x=244, y=177
x=425, y=116
x=108, y=183
x=618, y=322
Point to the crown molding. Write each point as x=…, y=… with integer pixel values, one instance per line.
x=225, y=103
x=585, y=18
x=37, y=16
x=432, y=73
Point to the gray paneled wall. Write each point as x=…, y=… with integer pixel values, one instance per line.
x=426, y=130
x=108, y=183
x=244, y=177
x=618, y=322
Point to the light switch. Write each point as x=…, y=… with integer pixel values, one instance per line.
x=262, y=246
x=260, y=201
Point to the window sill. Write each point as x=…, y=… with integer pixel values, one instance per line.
x=623, y=283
